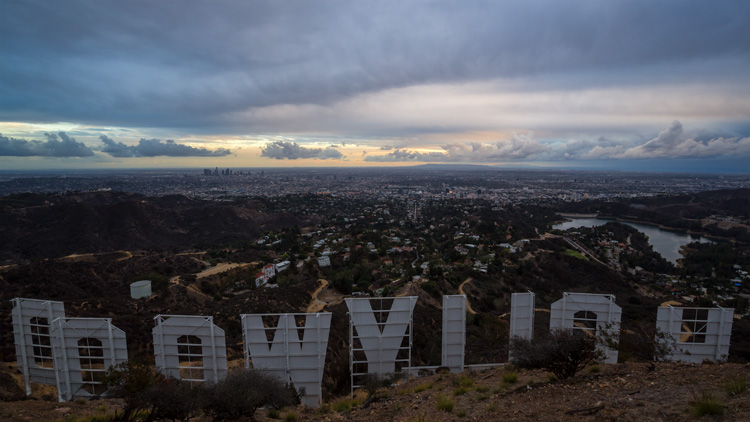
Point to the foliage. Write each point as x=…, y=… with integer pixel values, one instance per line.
x=706, y=404
x=373, y=382
x=460, y=391
x=644, y=342
x=241, y=393
x=510, y=377
x=145, y=391
x=445, y=404
x=173, y=399
x=129, y=380
x=423, y=387
x=735, y=385
x=562, y=352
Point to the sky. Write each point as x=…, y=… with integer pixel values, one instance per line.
x=641, y=85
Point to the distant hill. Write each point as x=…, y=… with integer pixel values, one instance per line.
x=48, y=226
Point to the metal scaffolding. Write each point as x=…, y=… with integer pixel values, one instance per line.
x=379, y=335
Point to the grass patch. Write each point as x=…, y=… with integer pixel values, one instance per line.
x=510, y=377
x=575, y=254
x=445, y=404
x=735, y=386
x=594, y=369
x=706, y=404
x=290, y=417
x=463, y=381
x=460, y=391
x=482, y=388
x=345, y=404
x=461, y=413
x=483, y=397
x=492, y=408
x=423, y=387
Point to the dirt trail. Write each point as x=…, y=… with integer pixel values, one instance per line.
x=461, y=291
x=322, y=297
x=220, y=268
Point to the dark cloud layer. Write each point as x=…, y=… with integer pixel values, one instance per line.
x=65, y=146
x=157, y=148
x=281, y=150
x=197, y=65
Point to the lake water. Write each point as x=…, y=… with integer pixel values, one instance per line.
x=666, y=242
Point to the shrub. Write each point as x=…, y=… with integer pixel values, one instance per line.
x=423, y=387
x=735, y=385
x=510, y=377
x=706, y=404
x=242, y=392
x=173, y=399
x=463, y=381
x=460, y=391
x=562, y=352
x=129, y=380
x=445, y=404
x=290, y=417
x=594, y=369
x=644, y=342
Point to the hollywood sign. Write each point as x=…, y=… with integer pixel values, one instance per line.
x=73, y=354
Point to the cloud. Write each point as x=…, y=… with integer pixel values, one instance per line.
x=66, y=147
x=155, y=148
x=404, y=155
x=673, y=142
x=281, y=150
x=518, y=147
x=112, y=72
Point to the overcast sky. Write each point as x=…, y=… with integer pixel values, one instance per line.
x=647, y=85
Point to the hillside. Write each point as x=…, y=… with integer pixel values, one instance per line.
x=50, y=226
x=623, y=392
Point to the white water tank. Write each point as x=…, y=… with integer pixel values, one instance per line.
x=140, y=289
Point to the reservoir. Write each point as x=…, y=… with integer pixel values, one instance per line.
x=666, y=242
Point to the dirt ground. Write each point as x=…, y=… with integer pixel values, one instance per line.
x=622, y=392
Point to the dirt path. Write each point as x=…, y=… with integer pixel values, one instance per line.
x=322, y=297
x=316, y=305
x=461, y=291
x=220, y=268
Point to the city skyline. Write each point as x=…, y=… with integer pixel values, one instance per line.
x=630, y=85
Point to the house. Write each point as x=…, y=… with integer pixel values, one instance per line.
x=324, y=261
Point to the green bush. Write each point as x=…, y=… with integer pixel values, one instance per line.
x=129, y=380
x=706, y=404
x=735, y=385
x=445, y=404
x=423, y=387
x=510, y=377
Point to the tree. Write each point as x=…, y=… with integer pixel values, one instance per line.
x=128, y=381
x=644, y=342
x=562, y=352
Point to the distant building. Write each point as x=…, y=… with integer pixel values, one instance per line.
x=324, y=261
x=281, y=266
